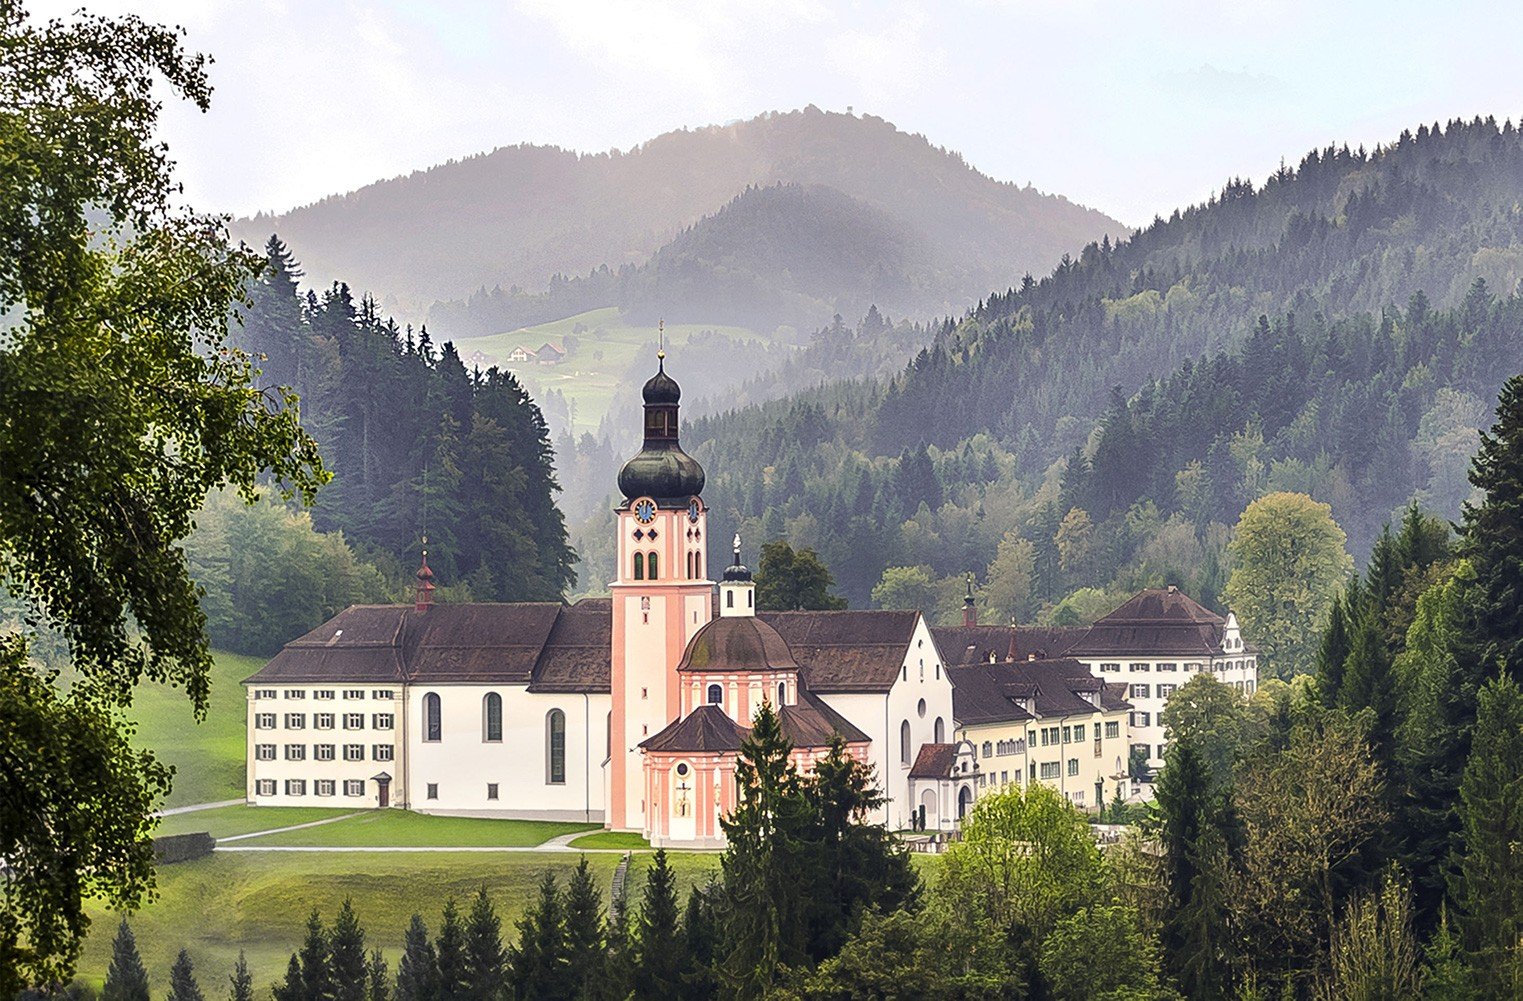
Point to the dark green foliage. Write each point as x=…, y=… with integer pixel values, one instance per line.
x=126, y=979
x=290, y=989
x=241, y=982
x=1447, y=975
x=485, y=961
x=379, y=978
x=1493, y=534
x=659, y=956
x=1489, y=889
x=787, y=580
x=539, y=966
x=418, y=972
x=617, y=973
x=347, y=956
x=1334, y=651
x=449, y=949
x=584, y=931
x=316, y=958
x=182, y=980
x=700, y=940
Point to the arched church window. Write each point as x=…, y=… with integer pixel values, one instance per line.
x=697, y=566
x=431, y=722
x=639, y=566
x=716, y=695
x=782, y=693
x=904, y=742
x=729, y=599
x=941, y=731
x=491, y=717
x=555, y=747
x=653, y=563
x=689, y=566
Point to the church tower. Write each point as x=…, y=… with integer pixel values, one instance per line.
x=661, y=596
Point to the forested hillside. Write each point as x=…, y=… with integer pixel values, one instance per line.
x=519, y=216
x=1336, y=331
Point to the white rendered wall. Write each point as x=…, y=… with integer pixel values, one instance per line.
x=310, y=770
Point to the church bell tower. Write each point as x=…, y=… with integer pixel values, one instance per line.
x=661, y=596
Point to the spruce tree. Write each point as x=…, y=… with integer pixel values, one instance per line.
x=484, y=958
x=347, y=956
x=450, y=949
x=240, y=983
x=584, y=930
x=182, y=980
x=290, y=989
x=659, y=954
x=379, y=978
x=418, y=972
x=316, y=962
x=1333, y=652
x=126, y=979
x=618, y=955
x=1493, y=534
x=1490, y=884
x=540, y=964
x=700, y=935
x=1447, y=975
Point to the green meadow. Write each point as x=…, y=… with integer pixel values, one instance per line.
x=207, y=756
x=402, y=829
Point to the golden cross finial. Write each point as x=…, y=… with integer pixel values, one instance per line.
x=661, y=340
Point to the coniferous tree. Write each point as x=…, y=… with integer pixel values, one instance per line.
x=316, y=962
x=659, y=956
x=540, y=964
x=484, y=957
x=126, y=979
x=584, y=931
x=418, y=972
x=182, y=980
x=290, y=989
x=1490, y=884
x=449, y=948
x=347, y=956
x=240, y=983
x=379, y=977
x=617, y=974
x=1493, y=535
x=1334, y=651
x=700, y=935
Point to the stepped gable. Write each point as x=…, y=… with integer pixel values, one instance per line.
x=546, y=645
x=849, y=651
x=705, y=730
x=971, y=644
x=739, y=643
x=934, y=761
x=1156, y=622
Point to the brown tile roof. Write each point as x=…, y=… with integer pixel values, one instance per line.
x=705, y=730
x=981, y=694
x=738, y=643
x=546, y=645
x=811, y=723
x=851, y=651
x=1159, y=622
x=993, y=693
x=967, y=644
x=934, y=761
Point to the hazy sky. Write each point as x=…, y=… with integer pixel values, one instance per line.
x=1133, y=108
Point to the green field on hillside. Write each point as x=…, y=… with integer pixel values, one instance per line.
x=604, y=347
x=259, y=902
x=208, y=756
x=403, y=829
x=226, y=821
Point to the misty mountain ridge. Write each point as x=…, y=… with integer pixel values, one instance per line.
x=511, y=220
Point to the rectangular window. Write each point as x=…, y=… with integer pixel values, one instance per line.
x=1079, y=734
x=264, y=721
x=1073, y=766
x=1144, y=719
x=1164, y=691
x=324, y=694
x=296, y=693
x=264, y=693
x=1031, y=738
x=1141, y=667
x=1079, y=797
x=1142, y=691
x=354, y=787
x=264, y=752
x=354, y=693
x=1050, y=769
x=296, y=752
x=296, y=787
x=382, y=752
x=323, y=787
x=1112, y=731
x=354, y=721
x=1110, y=668
x=1192, y=667
x=1068, y=734
x=433, y=790
x=1162, y=748
x=264, y=787
x=354, y=752
x=1146, y=749
x=382, y=721
x=1033, y=769
x=383, y=693
x=322, y=752
x=296, y=721
x=1168, y=667
x=491, y=790
x=323, y=721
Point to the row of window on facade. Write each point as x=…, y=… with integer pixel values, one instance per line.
x=324, y=694
x=648, y=566
x=325, y=721
x=715, y=694
x=320, y=787
x=325, y=752
x=1226, y=665
x=491, y=730
x=938, y=736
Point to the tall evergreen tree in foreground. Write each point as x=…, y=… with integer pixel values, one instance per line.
x=347, y=956
x=316, y=961
x=418, y=972
x=1493, y=535
x=659, y=958
x=450, y=950
x=126, y=979
x=379, y=977
x=584, y=931
x=539, y=963
x=182, y=980
x=241, y=982
x=484, y=958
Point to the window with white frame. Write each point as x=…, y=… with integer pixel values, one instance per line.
x=1050, y=769
x=1073, y=766
x=1112, y=730
x=323, y=721
x=264, y=752
x=354, y=693
x=1079, y=733
x=264, y=693
x=1164, y=691
x=491, y=790
x=1192, y=667
x=354, y=787
x=296, y=693
x=382, y=721
x=1140, y=666
x=354, y=752
x=1110, y=668
x=1142, y=691
x=354, y=721
x=1169, y=667
x=383, y=693
x=264, y=721
x=322, y=752
x=323, y=787
x=264, y=787
x=296, y=721
x=382, y=752
x=296, y=752
x=323, y=694
x=296, y=787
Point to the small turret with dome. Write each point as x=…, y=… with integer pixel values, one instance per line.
x=662, y=470
x=737, y=591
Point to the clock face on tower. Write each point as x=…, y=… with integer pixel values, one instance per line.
x=692, y=510
x=645, y=511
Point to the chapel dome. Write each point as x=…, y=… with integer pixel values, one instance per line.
x=737, y=644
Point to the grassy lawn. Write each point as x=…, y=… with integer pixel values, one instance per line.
x=601, y=356
x=225, y=821
x=259, y=903
x=399, y=828
x=208, y=757
x=626, y=840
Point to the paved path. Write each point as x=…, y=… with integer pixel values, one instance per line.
x=282, y=830
x=564, y=840
x=199, y=806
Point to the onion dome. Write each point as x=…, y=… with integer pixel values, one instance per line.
x=662, y=470
x=736, y=572
x=738, y=645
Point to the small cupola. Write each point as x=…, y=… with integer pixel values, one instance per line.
x=424, y=598
x=969, y=606
x=737, y=591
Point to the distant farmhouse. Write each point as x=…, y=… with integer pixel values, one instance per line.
x=548, y=354
x=629, y=710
